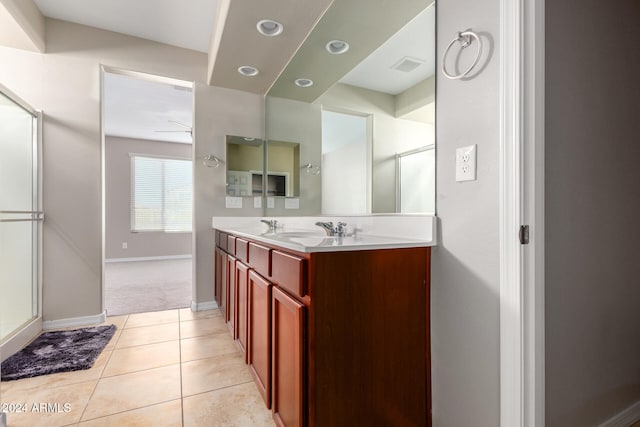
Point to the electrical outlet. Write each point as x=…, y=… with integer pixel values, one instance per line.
x=125, y=245
x=233, y=202
x=466, y=163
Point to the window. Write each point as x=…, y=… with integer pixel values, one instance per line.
x=161, y=197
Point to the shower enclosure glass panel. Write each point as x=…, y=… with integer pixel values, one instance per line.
x=20, y=217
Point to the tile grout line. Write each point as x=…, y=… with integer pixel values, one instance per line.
x=221, y=388
x=180, y=358
x=144, y=370
x=128, y=410
x=86, y=405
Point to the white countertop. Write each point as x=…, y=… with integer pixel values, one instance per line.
x=301, y=235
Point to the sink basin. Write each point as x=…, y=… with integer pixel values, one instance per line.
x=294, y=234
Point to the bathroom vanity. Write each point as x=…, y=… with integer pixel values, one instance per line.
x=335, y=330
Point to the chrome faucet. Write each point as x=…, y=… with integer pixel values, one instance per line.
x=340, y=230
x=272, y=223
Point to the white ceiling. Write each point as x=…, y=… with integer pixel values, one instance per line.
x=137, y=108
x=415, y=40
x=182, y=23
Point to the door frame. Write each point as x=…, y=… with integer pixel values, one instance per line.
x=369, y=123
x=522, y=86
x=152, y=78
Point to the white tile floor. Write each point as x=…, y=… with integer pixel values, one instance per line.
x=170, y=368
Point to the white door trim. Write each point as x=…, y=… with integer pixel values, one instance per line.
x=521, y=202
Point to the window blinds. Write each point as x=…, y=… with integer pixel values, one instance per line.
x=161, y=197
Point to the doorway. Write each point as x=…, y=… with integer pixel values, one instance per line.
x=346, y=166
x=147, y=192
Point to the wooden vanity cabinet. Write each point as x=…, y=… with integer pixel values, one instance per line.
x=230, y=271
x=218, y=259
x=242, y=277
x=288, y=364
x=336, y=338
x=259, y=333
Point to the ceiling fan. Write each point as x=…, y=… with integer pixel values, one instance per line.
x=188, y=129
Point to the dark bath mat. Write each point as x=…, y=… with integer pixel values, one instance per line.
x=58, y=351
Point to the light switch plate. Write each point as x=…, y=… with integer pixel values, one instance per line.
x=233, y=202
x=466, y=163
x=257, y=202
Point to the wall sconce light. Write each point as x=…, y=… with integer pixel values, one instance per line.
x=311, y=169
x=211, y=161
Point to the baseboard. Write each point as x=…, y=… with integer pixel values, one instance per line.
x=201, y=306
x=149, y=258
x=20, y=339
x=624, y=418
x=75, y=321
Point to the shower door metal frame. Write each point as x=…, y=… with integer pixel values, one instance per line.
x=23, y=334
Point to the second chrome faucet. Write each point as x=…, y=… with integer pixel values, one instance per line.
x=272, y=223
x=339, y=230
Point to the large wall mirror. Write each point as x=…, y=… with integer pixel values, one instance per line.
x=357, y=101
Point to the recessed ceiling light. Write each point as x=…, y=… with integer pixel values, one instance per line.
x=268, y=27
x=337, y=47
x=248, y=71
x=304, y=82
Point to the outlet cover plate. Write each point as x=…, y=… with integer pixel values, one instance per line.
x=466, y=163
x=233, y=202
x=257, y=202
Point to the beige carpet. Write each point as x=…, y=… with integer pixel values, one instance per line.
x=141, y=286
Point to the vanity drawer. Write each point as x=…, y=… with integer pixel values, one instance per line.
x=221, y=240
x=231, y=244
x=289, y=272
x=260, y=259
x=242, y=250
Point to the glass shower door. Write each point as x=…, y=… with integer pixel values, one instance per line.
x=20, y=216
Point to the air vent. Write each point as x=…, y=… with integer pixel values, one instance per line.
x=407, y=64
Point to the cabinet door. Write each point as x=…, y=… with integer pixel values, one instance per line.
x=242, y=272
x=259, y=334
x=230, y=272
x=224, y=285
x=288, y=334
x=217, y=281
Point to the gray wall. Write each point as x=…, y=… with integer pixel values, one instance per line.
x=218, y=112
x=592, y=210
x=118, y=201
x=301, y=122
x=65, y=83
x=465, y=269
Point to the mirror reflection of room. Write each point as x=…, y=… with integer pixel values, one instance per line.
x=283, y=169
x=244, y=166
x=368, y=119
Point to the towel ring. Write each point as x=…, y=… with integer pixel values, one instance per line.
x=464, y=38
